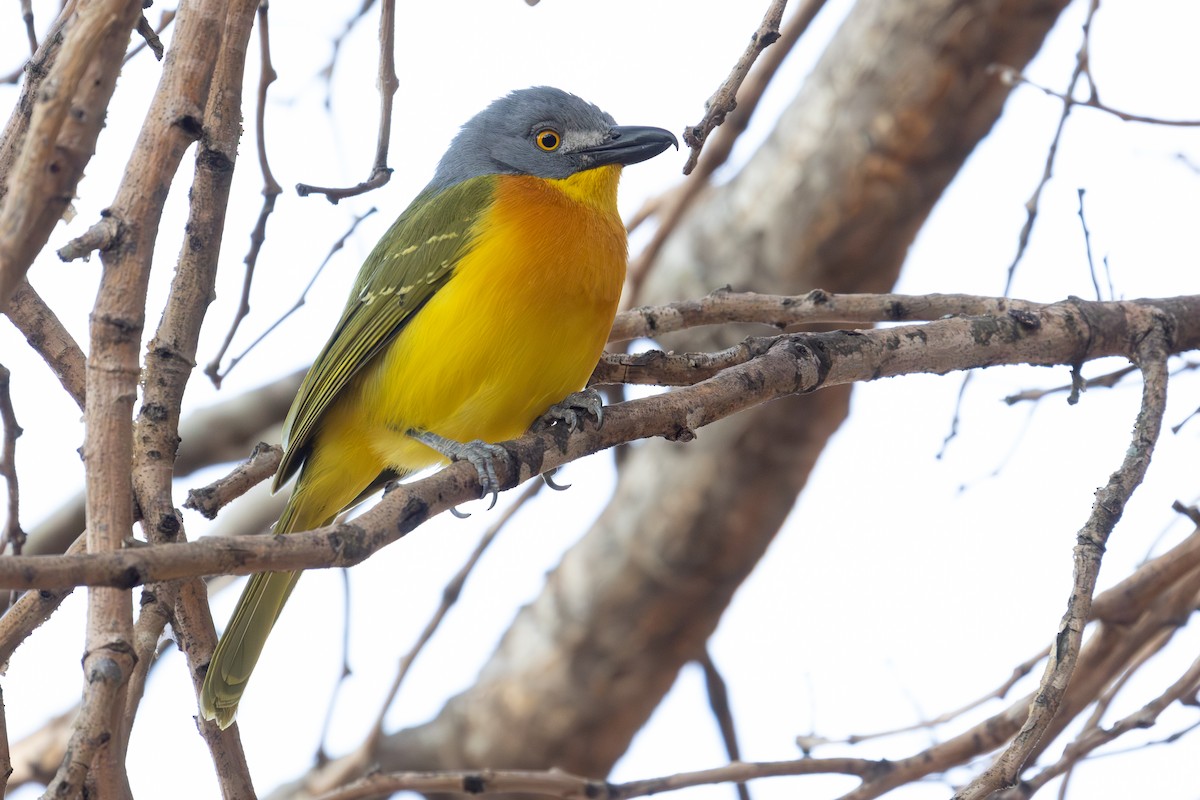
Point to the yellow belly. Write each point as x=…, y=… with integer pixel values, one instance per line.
x=519, y=326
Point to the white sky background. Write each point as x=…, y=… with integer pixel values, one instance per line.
x=902, y=586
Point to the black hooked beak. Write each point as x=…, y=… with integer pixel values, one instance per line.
x=628, y=144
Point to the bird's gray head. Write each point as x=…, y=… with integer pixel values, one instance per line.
x=544, y=132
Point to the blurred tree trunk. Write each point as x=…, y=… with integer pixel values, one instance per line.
x=831, y=200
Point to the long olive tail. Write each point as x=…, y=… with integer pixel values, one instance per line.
x=240, y=646
x=321, y=492
x=242, y=642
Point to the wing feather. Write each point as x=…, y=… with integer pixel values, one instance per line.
x=413, y=260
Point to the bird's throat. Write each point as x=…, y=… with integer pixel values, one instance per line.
x=594, y=187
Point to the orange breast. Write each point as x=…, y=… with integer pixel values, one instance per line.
x=520, y=325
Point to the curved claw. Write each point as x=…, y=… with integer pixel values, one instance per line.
x=459, y=514
x=548, y=479
x=481, y=455
x=572, y=410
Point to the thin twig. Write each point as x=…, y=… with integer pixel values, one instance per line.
x=365, y=753
x=955, y=417
x=1177, y=428
x=1169, y=739
x=1087, y=241
x=261, y=465
x=450, y=595
x=150, y=36
x=811, y=742
x=49, y=46
x=388, y=84
x=12, y=534
x=718, y=701
x=1031, y=205
x=336, y=47
x=724, y=100
x=1015, y=78
x=1106, y=381
x=300, y=301
x=1191, y=512
x=270, y=191
x=154, y=614
x=31, y=34
x=669, y=208
x=322, y=756
x=1128, y=599
x=16, y=75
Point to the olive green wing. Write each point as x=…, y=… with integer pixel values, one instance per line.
x=413, y=260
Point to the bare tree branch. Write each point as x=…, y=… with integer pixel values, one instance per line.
x=50, y=339
x=1110, y=503
x=59, y=143
x=555, y=783
x=170, y=357
x=173, y=122
x=833, y=199
x=817, y=306
x=1066, y=332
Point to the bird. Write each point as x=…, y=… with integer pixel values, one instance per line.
x=486, y=305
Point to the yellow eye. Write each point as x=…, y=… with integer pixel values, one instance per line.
x=548, y=139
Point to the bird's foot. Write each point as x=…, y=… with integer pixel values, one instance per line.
x=480, y=454
x=572, y=410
